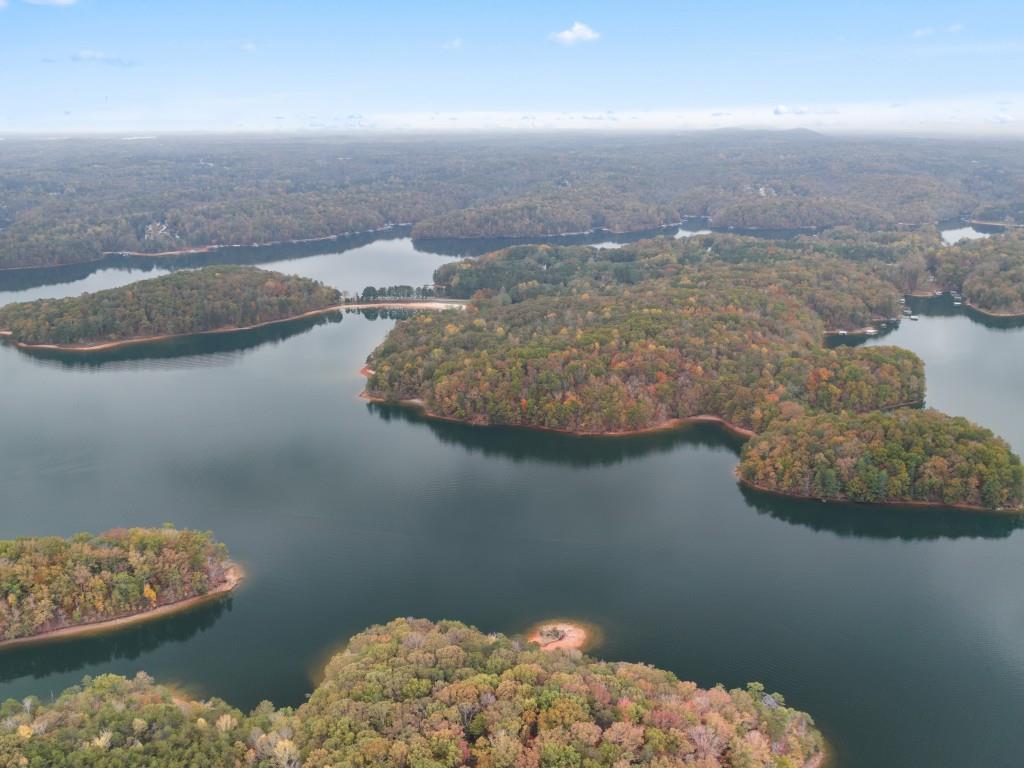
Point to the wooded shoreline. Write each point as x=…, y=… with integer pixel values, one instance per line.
x=909, y=504
x=103, y=346
x=234, y=575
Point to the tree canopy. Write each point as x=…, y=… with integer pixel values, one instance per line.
x=589, y=341
x=906, y=455
x=52, y=583
x=417, y=694
x=192, y=301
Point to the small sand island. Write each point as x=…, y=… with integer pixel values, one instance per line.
x=553, y=635
x=56, y=588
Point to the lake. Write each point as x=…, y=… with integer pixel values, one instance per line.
x=900, y=631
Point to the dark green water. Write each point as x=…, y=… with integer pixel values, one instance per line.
x=900, y=631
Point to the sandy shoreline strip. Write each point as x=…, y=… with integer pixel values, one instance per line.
x=108, y=345
x=234, y=575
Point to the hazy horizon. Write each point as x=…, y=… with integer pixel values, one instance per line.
x=252, y=66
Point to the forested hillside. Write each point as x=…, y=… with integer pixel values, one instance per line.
x=53, y=583
x=590, y=341
x=989, y=272
x=206, y=299
x=70, y=201
x=415, y=693
x=906, y=455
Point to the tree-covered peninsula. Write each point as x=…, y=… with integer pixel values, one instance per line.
x=219, y=298
x=989, y=273
x=902, y=456
x=593, y=341
x=51, y=584
x=416, y=694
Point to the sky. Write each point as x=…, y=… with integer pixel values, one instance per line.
x=132, y=66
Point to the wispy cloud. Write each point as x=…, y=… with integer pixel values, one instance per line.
x=51, y=2
x=89, y=56
x=453, y=44
x=955, y=28
x=578, y=32
x=249, y=47
x=923, y=32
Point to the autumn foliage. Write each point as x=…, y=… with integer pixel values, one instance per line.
x=415, y=694
x=52, y=583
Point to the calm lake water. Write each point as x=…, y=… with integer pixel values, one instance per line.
x=900, y=631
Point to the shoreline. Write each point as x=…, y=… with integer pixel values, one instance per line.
x=908, y=504
x=670, y=425
x=209, y=248
x=104, y=346
x=234, y=575
x=992, y=314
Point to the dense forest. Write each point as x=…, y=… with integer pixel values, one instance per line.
x=989, y=272
x=905, y=455
x=593, y=341
x=185, y=302
x=71, y=201
x=415, y=694
x=53, y=583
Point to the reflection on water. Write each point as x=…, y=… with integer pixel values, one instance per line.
x=61, y=656
x=888, y=625
x=531, y=445
x=878, y=522
x=200, y=350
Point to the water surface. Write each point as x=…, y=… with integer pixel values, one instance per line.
x=900, y=631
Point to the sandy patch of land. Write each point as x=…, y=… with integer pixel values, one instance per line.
x=552, y=635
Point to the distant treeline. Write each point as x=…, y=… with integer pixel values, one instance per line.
x=185, y=302
x=384, y=292
x=69, y=202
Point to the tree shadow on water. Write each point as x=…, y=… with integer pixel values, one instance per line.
x=524, y=444
x=867, y=521
x=184, y=351
x=72, y=653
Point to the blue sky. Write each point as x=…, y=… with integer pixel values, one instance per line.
x=120, y=65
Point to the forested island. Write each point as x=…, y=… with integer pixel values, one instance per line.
x=70, y=202
x=719, y=327
x=435, y=695
x=213, y=299
x=911, y=456
x=53, y=586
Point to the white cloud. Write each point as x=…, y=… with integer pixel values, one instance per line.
x=248, y=47
x=578, y=32
x=923, y=32
x=88, y=56
x=453, y=44
x=955, y=28
x=51, y=2
x=781, y=109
